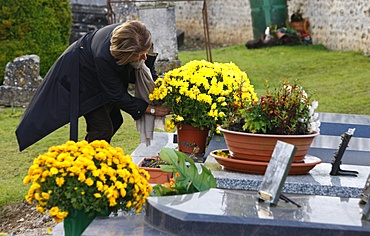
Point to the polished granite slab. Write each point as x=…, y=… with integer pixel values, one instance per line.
x=235, y=212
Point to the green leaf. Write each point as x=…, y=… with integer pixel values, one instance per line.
x=160, y=190
x=189, y=180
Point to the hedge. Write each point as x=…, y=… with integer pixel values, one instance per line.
x=40, y=27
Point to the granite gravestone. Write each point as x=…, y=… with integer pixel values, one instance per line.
x=159, y=18
x=20, y=81
x=276, y=172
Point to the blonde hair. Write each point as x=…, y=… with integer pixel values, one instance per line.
x=129, y=40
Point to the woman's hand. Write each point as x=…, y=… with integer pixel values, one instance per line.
x=161, y=110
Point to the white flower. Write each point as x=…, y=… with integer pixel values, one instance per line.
x=288, y=88
x=315, y=116
x=314, y=126
x=313, y=107
x=304, y=93
x=302, y=120
x=315, y=104
x=311, y=112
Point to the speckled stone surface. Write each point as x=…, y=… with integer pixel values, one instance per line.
x=236, y=212
x=316, y=182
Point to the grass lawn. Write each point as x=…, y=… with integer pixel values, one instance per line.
x=338, y=80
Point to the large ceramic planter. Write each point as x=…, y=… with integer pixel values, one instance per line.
x=259, y=147
x=157, y=176
x=191, y=139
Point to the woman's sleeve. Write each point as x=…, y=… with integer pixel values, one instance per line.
x=115, y=84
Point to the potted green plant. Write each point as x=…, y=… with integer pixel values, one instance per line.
x=200, y=94
x=186, y=176
x=153, y=166
x=298, y=22
x=286, y=114
x=77, y=181
x=297, y=16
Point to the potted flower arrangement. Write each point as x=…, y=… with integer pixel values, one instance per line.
x=200, y=95
x=153, y=166
x=287, y=114
x=298, y=23
x=78, y=181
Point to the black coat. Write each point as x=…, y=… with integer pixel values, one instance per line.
x=85, y=77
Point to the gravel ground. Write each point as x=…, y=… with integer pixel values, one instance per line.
x=23, y=219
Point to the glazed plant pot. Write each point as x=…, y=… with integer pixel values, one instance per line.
x=157, y=176
x=259, y=147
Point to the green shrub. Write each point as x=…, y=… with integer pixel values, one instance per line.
x=39, y=27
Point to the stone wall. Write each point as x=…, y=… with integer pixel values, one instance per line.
x=229, y=21
x=342, y=25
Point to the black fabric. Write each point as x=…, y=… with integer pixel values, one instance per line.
x=103, y=123
x=74, y=104
x=101, y=81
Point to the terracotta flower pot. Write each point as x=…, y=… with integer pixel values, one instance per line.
x=191, y=139
x=259, y=167
x=300, y=27
x=157, y=176
x=259, y=147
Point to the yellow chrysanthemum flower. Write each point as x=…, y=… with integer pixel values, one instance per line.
x=94, y=167
x=89, y=181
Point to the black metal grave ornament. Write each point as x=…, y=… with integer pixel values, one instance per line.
x=336, y=170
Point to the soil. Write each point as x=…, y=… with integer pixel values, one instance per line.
x=153, y=162
x=236, y=126
x=22, y=219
